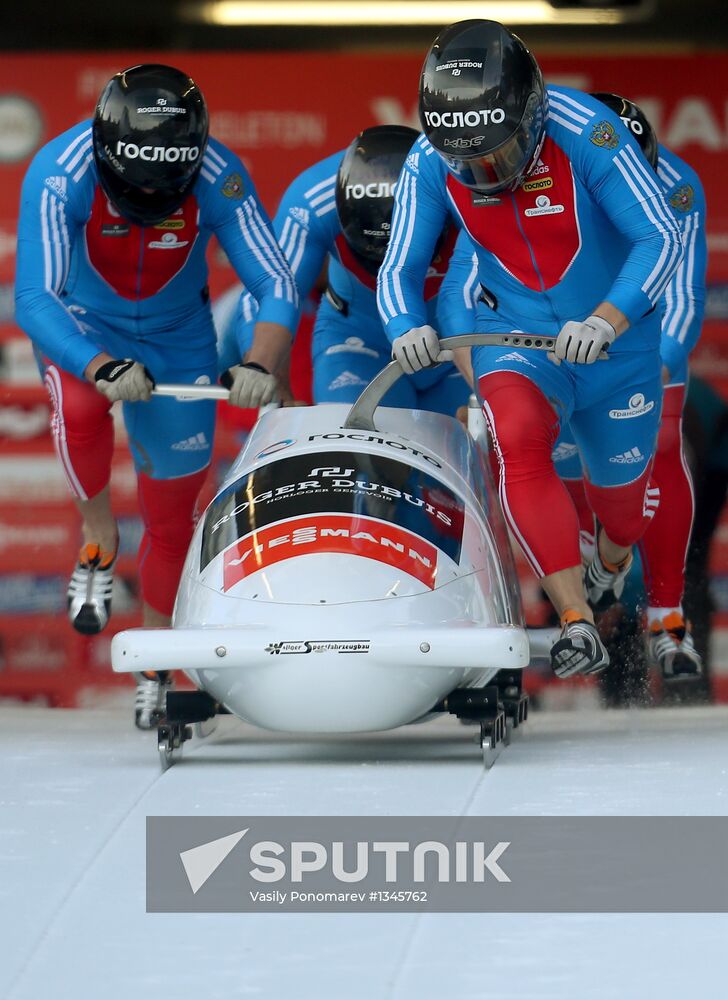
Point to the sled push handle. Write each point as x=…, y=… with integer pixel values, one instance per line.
x=187, y=393
x=361, y=415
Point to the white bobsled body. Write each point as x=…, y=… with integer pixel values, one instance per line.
x=343, y=580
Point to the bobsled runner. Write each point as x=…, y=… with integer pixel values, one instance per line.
x=350, y=575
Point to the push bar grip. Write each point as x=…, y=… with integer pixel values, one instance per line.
x=188, y=393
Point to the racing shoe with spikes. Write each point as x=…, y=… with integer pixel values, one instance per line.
x=89, y=589
x=151, y=694
x=604, y=581
x=579, y=650
x=670, y=646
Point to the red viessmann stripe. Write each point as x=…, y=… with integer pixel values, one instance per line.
x=340, y=533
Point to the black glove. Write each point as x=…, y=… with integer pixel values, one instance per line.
x=126, y=380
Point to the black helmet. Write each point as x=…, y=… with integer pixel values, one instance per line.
x=483, y=105
x=365, y=189
x=636, y=121
x=150, y=133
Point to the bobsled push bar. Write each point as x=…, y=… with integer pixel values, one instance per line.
x=189, y=393
x=361, y=415
x=362, y=412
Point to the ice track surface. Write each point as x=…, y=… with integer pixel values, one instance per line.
x=75, y=788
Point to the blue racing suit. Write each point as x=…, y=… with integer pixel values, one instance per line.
x=590, y=224
x=90, y=281
x=683, y=303
x=349, y=345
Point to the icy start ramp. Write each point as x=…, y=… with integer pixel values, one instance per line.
x=76, y=787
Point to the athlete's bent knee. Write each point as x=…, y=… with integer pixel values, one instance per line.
x=625, y=511
x=522, y=422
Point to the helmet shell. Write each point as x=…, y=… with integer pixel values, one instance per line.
x=482, y=93
x=636, y=121
x=365, y=185
x=150, y=132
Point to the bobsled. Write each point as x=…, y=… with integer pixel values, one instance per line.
x=353, y=573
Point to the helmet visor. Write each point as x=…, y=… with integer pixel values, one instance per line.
x=506, y=166
x=142, y=206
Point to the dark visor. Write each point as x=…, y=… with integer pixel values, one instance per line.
x=505, y=166
x=499, y=170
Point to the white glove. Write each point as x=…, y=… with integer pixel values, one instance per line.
x=250, y=385
x=126, y=380
x=582, y=343
x=418, y=349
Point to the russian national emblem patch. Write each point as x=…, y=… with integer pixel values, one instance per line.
x=604, y=135
x=682, y=199
x=233, y=186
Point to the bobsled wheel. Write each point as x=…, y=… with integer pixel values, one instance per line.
x=513, y=699
x=493, y=738
x=516, y=710
x=170, y=738
x=508, y=735
x=482, y=707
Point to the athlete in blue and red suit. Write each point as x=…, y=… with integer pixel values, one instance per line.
x=664, y=545
x=338, y=213
x=111, y=286
x=574, y=240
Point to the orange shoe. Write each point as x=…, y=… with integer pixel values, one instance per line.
x=89, y=590
x=670, y=646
